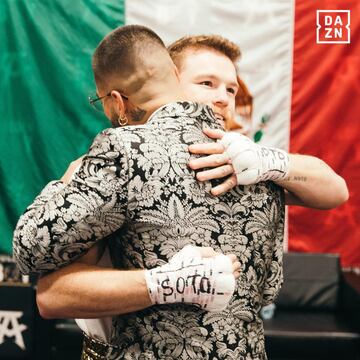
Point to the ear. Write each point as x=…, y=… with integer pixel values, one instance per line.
x=120, y=104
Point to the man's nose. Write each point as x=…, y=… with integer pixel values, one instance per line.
x=222, y=97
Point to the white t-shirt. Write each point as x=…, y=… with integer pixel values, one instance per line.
x=99, y=329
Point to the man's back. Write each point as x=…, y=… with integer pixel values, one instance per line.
x=168, y=209
x=135, y=181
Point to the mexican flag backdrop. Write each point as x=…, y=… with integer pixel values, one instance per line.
x=301, y=65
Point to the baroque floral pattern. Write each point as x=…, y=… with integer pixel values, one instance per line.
x=135, y=186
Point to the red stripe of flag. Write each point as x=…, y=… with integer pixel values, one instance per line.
x=325, y=122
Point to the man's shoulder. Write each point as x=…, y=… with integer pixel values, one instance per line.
x=123, y=133
x=184, y=109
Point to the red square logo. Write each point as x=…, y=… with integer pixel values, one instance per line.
x=333, y=26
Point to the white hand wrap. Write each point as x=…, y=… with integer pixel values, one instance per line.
x=254, y=163
x=188, y=278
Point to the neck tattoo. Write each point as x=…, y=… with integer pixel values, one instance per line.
x=137, y=114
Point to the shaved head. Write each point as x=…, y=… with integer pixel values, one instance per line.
x=129, y=57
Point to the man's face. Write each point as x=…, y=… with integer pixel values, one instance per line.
x=208, y=77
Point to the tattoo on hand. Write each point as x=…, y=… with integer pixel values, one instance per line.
x=137, y=114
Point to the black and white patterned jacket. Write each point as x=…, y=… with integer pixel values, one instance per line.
x=135, y=182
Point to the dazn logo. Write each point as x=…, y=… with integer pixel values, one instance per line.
x=333, y=26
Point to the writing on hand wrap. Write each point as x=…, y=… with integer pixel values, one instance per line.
x=206, y=282
x=192, y=284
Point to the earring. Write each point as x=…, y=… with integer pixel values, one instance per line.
x=122, y=120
